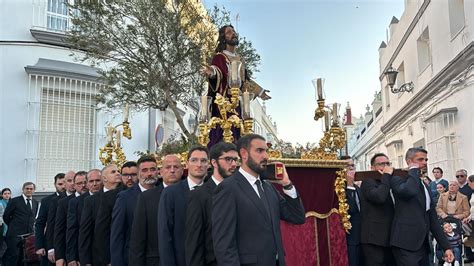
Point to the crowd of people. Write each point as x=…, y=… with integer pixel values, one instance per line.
x=145, y=214
x=395, y=219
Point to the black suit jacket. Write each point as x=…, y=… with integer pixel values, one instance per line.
x=353, y=237
x=199, y=249
x=103, y=224
x=74, y=212
x=242, y=231
x=376, y=211
x=171, y=223
x=411, y=222
x=53, y=206
x=144, y=237
x=60, y=227
x=88, y=251
x=18, y=217
x=122, y=220
x=41, y=220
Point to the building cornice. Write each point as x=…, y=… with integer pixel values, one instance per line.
x=442, y=111
x=461, y=62
x=55, y=68
x=49, y=37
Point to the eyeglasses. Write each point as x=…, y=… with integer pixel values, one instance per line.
x=458, y=176
x=383, y=164
x=230, y=159
x=129, y=175
x=198, y=161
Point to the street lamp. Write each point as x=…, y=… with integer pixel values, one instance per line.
x=391, y=75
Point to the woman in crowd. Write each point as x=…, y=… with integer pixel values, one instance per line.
x=453, y=204
x=6, y=195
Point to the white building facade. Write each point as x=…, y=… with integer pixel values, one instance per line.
x=432, y=46
x=50, y=121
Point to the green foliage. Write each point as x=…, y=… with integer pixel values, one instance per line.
x=150, y=52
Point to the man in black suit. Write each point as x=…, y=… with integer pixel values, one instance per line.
x=199, y=247
x=124, y=208
x=41, y=220
x=89, y=250
x=69, y=190
x=19, y=216
x=377, y=214
x=104, y=215
x=172, y=209
x=74, y=212
x=143, y=249
x=354, y=251
x=60, y=226
x=246, y=211
x=415, y=215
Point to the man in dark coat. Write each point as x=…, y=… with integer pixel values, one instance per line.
x=19, y=216
x=199, y=246
x=143, y=249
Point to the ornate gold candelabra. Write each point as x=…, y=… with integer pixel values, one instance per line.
x=229, y=116
x=112, y=151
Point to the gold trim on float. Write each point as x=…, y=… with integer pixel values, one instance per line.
x=321, y=215
x=317, y=238
x=309, y=163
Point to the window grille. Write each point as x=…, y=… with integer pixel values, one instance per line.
x=442, y=142
x=62, y=131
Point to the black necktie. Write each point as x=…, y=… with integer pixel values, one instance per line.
x=263, y=197
x=28, y=203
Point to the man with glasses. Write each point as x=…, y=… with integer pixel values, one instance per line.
x=124, y=209
x=129, y=173
x=415, y=215
x=377, y=213
x=172, y=209
x=199, y=247
x=143, y=249
x=60, y=226
x=74, y=211
x=461, y=177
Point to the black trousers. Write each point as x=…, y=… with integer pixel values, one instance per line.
x=405, y=257
x=12, y=254
x=377, y=255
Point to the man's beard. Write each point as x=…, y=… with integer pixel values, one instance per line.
x=150, y=180
x=233, y=42
x=256, y=167
x=222, y=171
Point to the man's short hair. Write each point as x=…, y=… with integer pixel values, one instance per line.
x=129, y=164
x=28, y=184
x=471, y=178
x=146, y=158
x=58, y=176
x=464, y=171
x=80, y=173
x=345, y=157
x=219, y=148
x=198, y=148
x=437, y=168
x=412, y=151
x=244, y=142
x=380, y=154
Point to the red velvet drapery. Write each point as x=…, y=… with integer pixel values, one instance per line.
x=321, y=240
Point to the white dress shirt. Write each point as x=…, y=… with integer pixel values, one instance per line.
x=252, y=179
